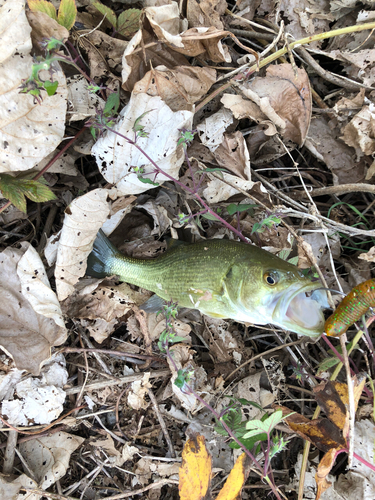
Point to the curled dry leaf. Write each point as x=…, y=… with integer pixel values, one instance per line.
x=327, y=434
x=115, y=458
x=116, y=157
x=369, y=256
x=48, y=457
x=138, y=391
x=167, y=28
x=284, y=96
x=179, y=87
x=30, y=316
x=83, y=219
x=28, y=131
x=360, y=131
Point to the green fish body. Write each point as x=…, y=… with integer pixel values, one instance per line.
x=223, y=279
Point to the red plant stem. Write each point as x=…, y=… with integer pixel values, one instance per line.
x=262, y=471
x=183, y=186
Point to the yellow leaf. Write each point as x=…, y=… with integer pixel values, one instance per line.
x=195, y=472
x=233, y=485
x=42, y=6
x=67, y=13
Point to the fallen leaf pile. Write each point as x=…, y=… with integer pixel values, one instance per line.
x=159, y=120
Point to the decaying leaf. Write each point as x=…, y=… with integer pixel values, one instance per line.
x=179, y=87
x=31, y=319
x=138, y=390
x=206, y=13
x=83, y=219
x=82, y=103
x=195, y=472
x=48, y=457
x=9, y=489
x=28, y=131
x=38, y=400
x=117, y=158
x=284, y=96
x=327, y=434
x=325, y=144
x=360, y=132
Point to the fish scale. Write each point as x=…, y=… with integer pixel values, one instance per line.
x=221, y=278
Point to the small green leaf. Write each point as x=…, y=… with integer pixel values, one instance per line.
x=267, y=425
x=233, y=207
x=43, y=6
x=181, y=379
x=128, y=22
x=67, y=14
x=50, y=87
x=146, y=180
x=15, y=190
x=113, y=103
x=107, y=12
x=209, y=216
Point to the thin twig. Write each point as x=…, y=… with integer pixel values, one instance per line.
x=119, y=381
x=162, y=423
x=10, y=452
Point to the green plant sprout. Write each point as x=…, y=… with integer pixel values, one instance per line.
x=271, y=221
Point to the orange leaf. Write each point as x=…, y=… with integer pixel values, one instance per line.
x=233, y=485
x=195, y=472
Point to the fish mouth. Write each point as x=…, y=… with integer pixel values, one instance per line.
x=299, y=312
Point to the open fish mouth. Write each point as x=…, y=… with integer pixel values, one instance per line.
x=299, y=310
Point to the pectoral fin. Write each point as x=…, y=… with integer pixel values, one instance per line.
x=153, y=305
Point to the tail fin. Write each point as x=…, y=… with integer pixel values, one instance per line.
x=100, y=259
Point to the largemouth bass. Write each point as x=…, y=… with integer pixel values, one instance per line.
x=223, y=279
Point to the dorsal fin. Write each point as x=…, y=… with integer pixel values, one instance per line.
x=172, y=243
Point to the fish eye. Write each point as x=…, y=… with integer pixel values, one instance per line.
x=271, y=278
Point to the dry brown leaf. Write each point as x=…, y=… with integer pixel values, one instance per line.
x=327, y=435
x=195, y=472
x=104, y=53
x=324, y=143
x=369, y=256
x=43, y=26
x=233, y=155
x=28, y=329
x=360, y=131
x=106, y=302
x=48, y=456
x=205, y=13
x=179, y=87
x=243, y=108
x=284, y=96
